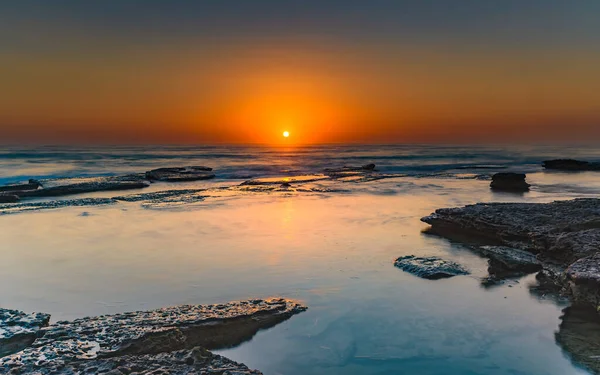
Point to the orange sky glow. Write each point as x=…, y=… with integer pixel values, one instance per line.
x=321, y=89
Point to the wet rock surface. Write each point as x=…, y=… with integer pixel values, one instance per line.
x=177, y=174
x=432, y=268
x=564, y=236
x=571, y=165
x=510, y=182
x=166, y=339
x=18, y=329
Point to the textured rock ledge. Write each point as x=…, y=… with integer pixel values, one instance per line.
x=173, y=340
x=563, y=235
x=18, y=329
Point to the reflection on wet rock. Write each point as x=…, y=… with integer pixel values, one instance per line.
x=431, y=268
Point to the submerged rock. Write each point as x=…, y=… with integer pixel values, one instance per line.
x=571, y=165
x=178, y=174
x=564, y=235
x=149, y=338
x=18, y=329
x=508, y=181
x=431, y=268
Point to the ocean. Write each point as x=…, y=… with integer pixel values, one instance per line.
x=328, y=243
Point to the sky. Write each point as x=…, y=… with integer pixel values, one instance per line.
x=245, y=71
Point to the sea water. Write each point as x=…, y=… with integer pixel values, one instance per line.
x=331, y=246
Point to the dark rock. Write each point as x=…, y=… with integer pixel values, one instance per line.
x=431, y=268
x=158, y=340
x=9, y=198
x=364, y=168
x=562, y=234
x=571, y=165
x=84, y=187
x=179, y=174
x=509, y=259
x=511, y=182
x=579, y=336
x=35, y=206
x=18, y=329
x=533, y=227
x=285, y=185
x=21, y=187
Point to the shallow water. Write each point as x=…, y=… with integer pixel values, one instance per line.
x=330, y=244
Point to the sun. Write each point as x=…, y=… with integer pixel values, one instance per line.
x=286, y=134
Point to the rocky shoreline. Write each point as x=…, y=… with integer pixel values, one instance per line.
x=173, y=340
x=561, y=240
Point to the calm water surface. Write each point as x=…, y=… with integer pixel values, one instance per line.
x=332, y=250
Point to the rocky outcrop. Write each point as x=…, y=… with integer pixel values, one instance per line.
x=18, y=329
x=364, y=168
x=563, y=235
x=167, y=339
x=508, y=181
x=432, y=268
x=32, y=185
x=179, y=174
x=9, y=198
x=571, y=165
x=84, y=187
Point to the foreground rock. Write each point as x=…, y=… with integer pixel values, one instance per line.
x=510, y=182
x=432, y=268
x=182, y=362
x=571, y=165
x=180, y=174
x=564, y=236
x=158, y=340
x=18, y=329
